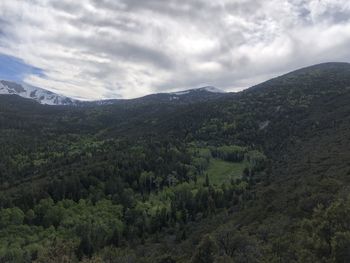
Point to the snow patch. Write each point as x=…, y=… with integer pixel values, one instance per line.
x=173, y=98
x=40, y=95
x=212, y=89
x=207, y=89
x=181, y=92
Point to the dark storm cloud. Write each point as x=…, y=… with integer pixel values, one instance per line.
x=129, y=48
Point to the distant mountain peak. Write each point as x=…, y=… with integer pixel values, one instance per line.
x=210, y=89
x=38, y=94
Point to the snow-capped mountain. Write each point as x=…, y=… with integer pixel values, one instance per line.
x=47, y=97
x=40, y=95
x=178, y=97
x=210, y=89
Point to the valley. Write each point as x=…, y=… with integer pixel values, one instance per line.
x=260, y=175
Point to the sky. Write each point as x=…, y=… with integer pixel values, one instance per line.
x=98, y=49
x=14, y=69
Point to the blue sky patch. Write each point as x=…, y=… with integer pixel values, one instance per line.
x=12, y=68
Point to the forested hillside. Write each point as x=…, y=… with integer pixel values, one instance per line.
x=257, y=176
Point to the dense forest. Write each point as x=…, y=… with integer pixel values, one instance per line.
x=261, y=175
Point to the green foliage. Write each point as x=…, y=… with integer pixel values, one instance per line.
x=232, y=153
x=11, y=216
x=205, y=252
x=223, y=172
x=258, y=176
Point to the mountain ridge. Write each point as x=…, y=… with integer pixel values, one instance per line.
x=46, y=97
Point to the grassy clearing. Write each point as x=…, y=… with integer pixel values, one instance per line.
x=220, y=171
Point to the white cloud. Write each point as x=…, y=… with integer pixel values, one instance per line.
x=128, y=48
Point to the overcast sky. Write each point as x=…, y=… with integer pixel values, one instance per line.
x=95, y=49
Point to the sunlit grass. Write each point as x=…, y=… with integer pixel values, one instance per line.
x=220, y=171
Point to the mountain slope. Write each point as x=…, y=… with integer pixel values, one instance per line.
x=40, y=95
x=310, y=79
